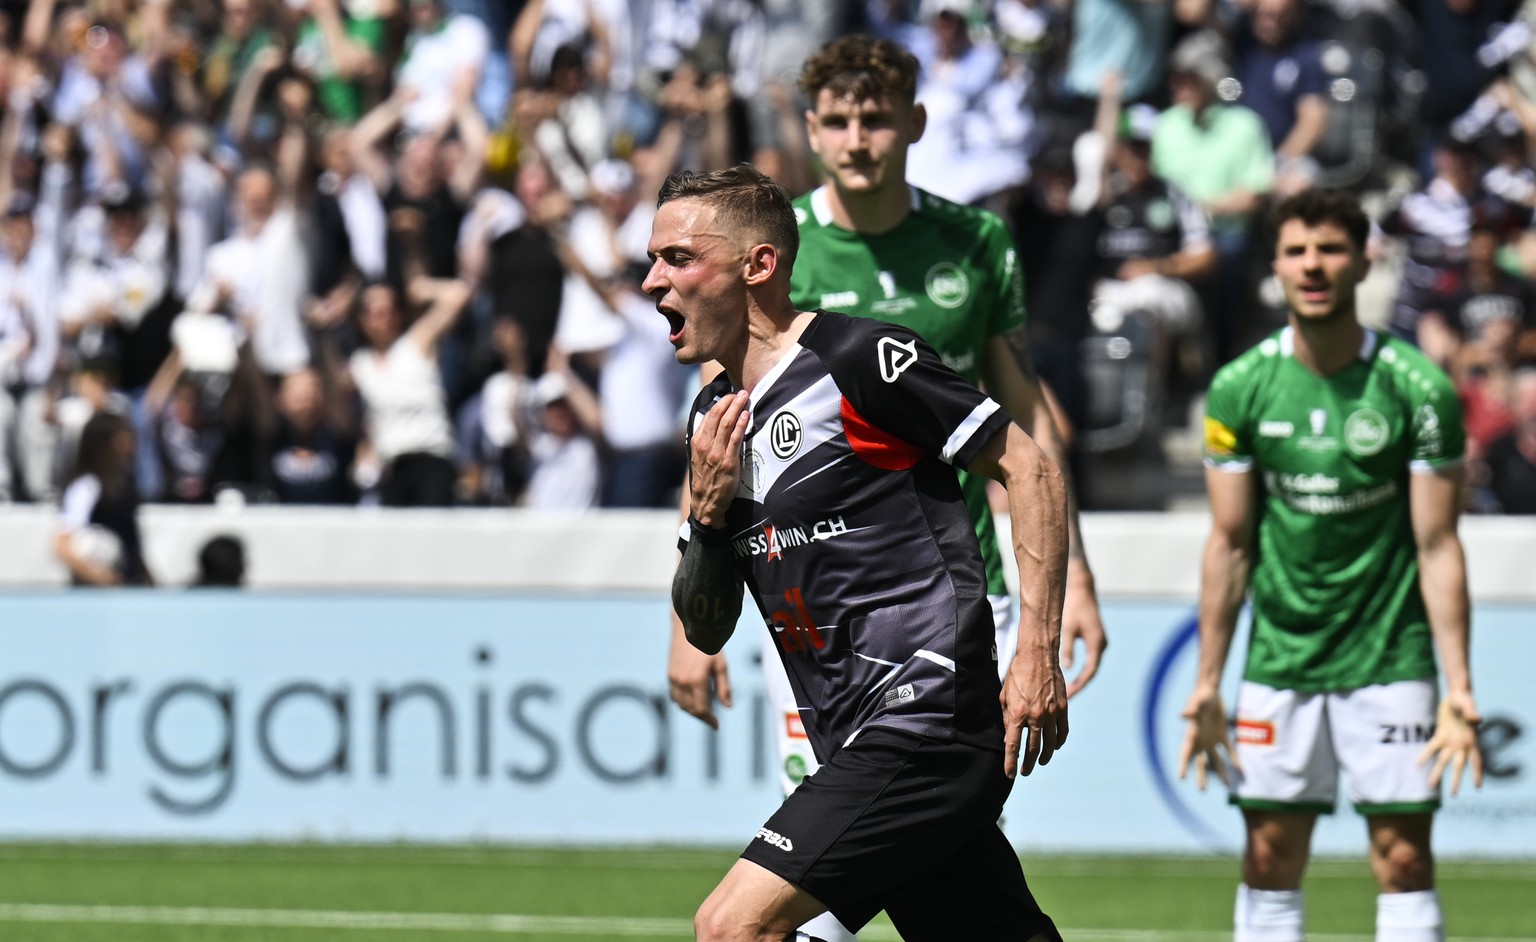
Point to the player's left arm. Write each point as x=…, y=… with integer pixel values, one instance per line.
x=1434, y=501
x=1034, y=695
x=1009, y=377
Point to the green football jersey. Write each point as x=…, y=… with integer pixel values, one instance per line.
x=1336, y=600
x=948, y=272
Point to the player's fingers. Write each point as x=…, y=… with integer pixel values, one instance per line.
x=1232, y=759
x=1221, y=766
x=1187, y=752
x=1427, y=753
x=722, y=680
x=1090, y=667
x=1011, y=751
x=1477, y=768
x=1438, y=769
x=1458, y=769
x=1031, y=749
x=1201, y=763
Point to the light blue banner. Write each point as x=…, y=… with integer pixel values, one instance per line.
x=159, y=715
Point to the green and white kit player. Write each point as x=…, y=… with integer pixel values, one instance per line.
x=1333, y=458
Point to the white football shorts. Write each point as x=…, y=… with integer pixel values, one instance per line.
x=1292, y=746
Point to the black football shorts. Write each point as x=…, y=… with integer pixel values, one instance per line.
x=907, y=825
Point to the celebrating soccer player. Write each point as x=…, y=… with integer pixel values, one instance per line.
x=848, y=430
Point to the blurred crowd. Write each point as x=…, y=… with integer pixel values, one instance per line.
x=390, y=251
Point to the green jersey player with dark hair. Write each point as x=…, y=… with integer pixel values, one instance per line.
x=1333, y=458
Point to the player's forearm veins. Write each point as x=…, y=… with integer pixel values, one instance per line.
x=706, y=594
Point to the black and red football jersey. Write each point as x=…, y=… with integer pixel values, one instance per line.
x=851, y=533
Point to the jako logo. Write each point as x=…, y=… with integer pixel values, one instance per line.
x=776, y=839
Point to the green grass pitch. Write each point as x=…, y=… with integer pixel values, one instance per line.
x=306, y=893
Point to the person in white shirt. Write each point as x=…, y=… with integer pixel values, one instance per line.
x=441, y=55
x=29, y=352
x=566, y=465
x=259, y=275
x=405, y=408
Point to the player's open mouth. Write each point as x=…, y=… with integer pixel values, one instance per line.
x=675, y=320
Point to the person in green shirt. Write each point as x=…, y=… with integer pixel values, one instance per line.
x=1333, y=466
x=874, y=246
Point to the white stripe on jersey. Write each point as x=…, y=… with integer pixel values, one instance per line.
x=960, y=436
x=819, y=409
x=939, y=659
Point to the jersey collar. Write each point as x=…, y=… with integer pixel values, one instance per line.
x=1367, y=345
x=822, y=209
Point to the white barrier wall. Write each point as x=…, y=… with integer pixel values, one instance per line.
x=1134, y=555
x=445, y=697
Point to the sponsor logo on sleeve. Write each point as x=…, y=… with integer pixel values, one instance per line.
x=776, y=839
x=1219, y=440
x=896, y=357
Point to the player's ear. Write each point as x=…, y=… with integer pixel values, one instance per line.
x=762, y=261
x=810, y=131
x=919, y=122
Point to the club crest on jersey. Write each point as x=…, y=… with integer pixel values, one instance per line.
x=785, y=433
x=947, y=285
x=896, y=357
x=1366, y=432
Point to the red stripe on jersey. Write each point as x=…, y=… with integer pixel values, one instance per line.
x=875, y=445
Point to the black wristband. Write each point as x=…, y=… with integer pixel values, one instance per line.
x=707, y=535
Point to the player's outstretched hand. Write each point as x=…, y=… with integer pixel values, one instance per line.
x=1207, y=744
x=1081, y=621
x=1454, y=744
x=1034, y=699
x=697, y=681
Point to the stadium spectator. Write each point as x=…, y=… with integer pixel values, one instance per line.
x=973, y=143
x=1511, y=459
x=1155, y=244
x=98, y=534
x=445, y=53
x=339, y=46
x=492, y=468
x=309, y=458
x=564, y=470
x=405, y=411
x=1218, y=154
x=927, y=755
x=1435, y=225
x=30, y=283
x=1058, y=254
x=1280, y=72
x=258, y=277
x=523, y=272
x=426, y=188
x=221, y=563
x=210, y=411
x=1346, y=492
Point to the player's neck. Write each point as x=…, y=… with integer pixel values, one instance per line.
x=870, y=213
x=1327, y=346
x=770, y=335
